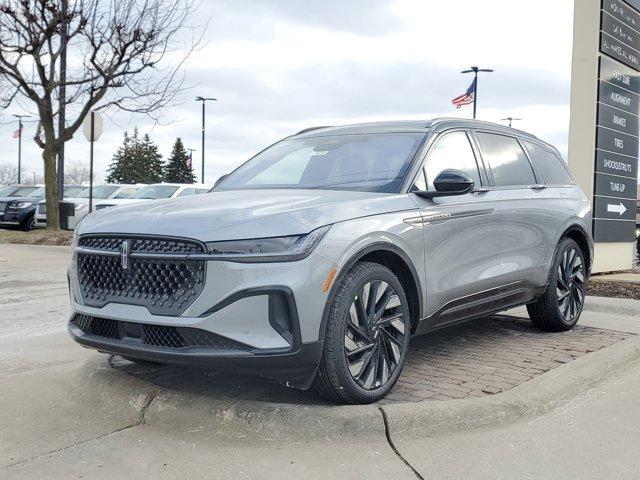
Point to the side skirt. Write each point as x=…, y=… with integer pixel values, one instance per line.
x=481, y=304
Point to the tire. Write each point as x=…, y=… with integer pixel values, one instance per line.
x=364, y=347
x=29, y=223
x=559, y=309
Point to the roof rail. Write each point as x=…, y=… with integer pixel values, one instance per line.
x=310, y=129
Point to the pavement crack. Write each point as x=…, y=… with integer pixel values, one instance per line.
x=387, y=432
x=150, y=397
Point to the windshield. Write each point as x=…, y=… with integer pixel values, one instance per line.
x=365, y=162
x=6, y=191
x=154, y=192
x=75, y=192
x=101, y=192
x=28, y=192
x=128, y=192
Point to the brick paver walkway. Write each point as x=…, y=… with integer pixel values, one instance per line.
x=477, y=358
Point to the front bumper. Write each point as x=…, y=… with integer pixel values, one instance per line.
x=295, y=367
x=273, y=312
x=15, y=217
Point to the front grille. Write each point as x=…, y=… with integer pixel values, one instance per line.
x=165, y=286
x=3, y=205
x=159, y=336
x=142, y=245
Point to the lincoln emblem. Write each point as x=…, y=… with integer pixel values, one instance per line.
x=124, y=254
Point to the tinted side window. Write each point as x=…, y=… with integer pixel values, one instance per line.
x=551, y=167
x=508, y=162
x=187, y=191
x=453, y=151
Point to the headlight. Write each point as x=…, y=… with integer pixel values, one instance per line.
x=21, y=205
x=263, y=250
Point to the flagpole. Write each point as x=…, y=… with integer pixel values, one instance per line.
x=475, y=71
x=20, y=117
x=475, y=94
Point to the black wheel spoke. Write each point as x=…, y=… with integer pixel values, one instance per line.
x=375, y=334
x=570, y=284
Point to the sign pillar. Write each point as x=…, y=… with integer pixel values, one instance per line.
x=604, y=128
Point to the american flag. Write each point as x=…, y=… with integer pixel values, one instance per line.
x=17, y=134
x=467, y=98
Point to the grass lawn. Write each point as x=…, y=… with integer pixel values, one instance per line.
x=36, y=237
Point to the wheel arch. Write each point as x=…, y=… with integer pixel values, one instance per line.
x=396, y=260
x=580, y=236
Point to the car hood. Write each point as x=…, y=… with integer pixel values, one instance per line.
x=232, y=215
x=20, y=199
x=120, y=201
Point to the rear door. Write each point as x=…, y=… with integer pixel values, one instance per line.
x=462, y=234
x=532, y=212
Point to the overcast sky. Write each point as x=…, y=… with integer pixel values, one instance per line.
x=278, y=66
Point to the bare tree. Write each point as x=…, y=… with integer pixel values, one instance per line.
x=8, y=173
x=123, y=54
x=76, y=173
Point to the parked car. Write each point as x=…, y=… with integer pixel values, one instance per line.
x=157, y=191
x=19, y=209
x=317, y=260
x=17, y=205
x=80, y=203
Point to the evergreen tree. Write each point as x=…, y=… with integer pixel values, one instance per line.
x=136, y=161
x=122, y=164
x=152, y=160
x=178, y=168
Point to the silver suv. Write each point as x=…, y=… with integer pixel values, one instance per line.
x=315, y=262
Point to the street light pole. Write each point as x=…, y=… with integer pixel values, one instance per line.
x=475, y=71
x=20, y=117
x=511, y=120
x=204, y=101
x=63, y=95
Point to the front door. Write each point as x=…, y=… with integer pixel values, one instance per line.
x=462, y=235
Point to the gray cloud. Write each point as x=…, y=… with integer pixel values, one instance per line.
x=244, y=19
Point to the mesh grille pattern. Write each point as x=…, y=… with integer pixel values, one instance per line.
x=164, y=286
x=142, y=245
x=155, y=335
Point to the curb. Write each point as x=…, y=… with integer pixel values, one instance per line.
x=537, y=396
x=250, y=421
x=620, y=306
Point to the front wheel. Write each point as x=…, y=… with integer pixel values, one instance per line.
x=560, y=307
x=29, y=223
x=367, y=336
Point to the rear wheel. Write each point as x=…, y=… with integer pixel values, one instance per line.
x=367, y=336
x=560, y=307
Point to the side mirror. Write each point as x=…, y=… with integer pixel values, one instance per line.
x=449, y=183
x=219, y=180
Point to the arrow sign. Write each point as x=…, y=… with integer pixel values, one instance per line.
x=620, y=209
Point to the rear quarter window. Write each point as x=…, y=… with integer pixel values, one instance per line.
x=551, y=166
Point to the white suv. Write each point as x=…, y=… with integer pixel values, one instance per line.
x=157, y=191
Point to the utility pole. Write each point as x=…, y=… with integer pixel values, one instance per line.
x=475, y=71
x=204, y=101
x=511, y=120
x=20, y=117
x=63, y=95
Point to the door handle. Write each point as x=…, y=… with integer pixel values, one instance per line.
x=538, y=186
x=482, y=190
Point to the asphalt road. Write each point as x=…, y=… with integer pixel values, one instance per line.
x=66, y=413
